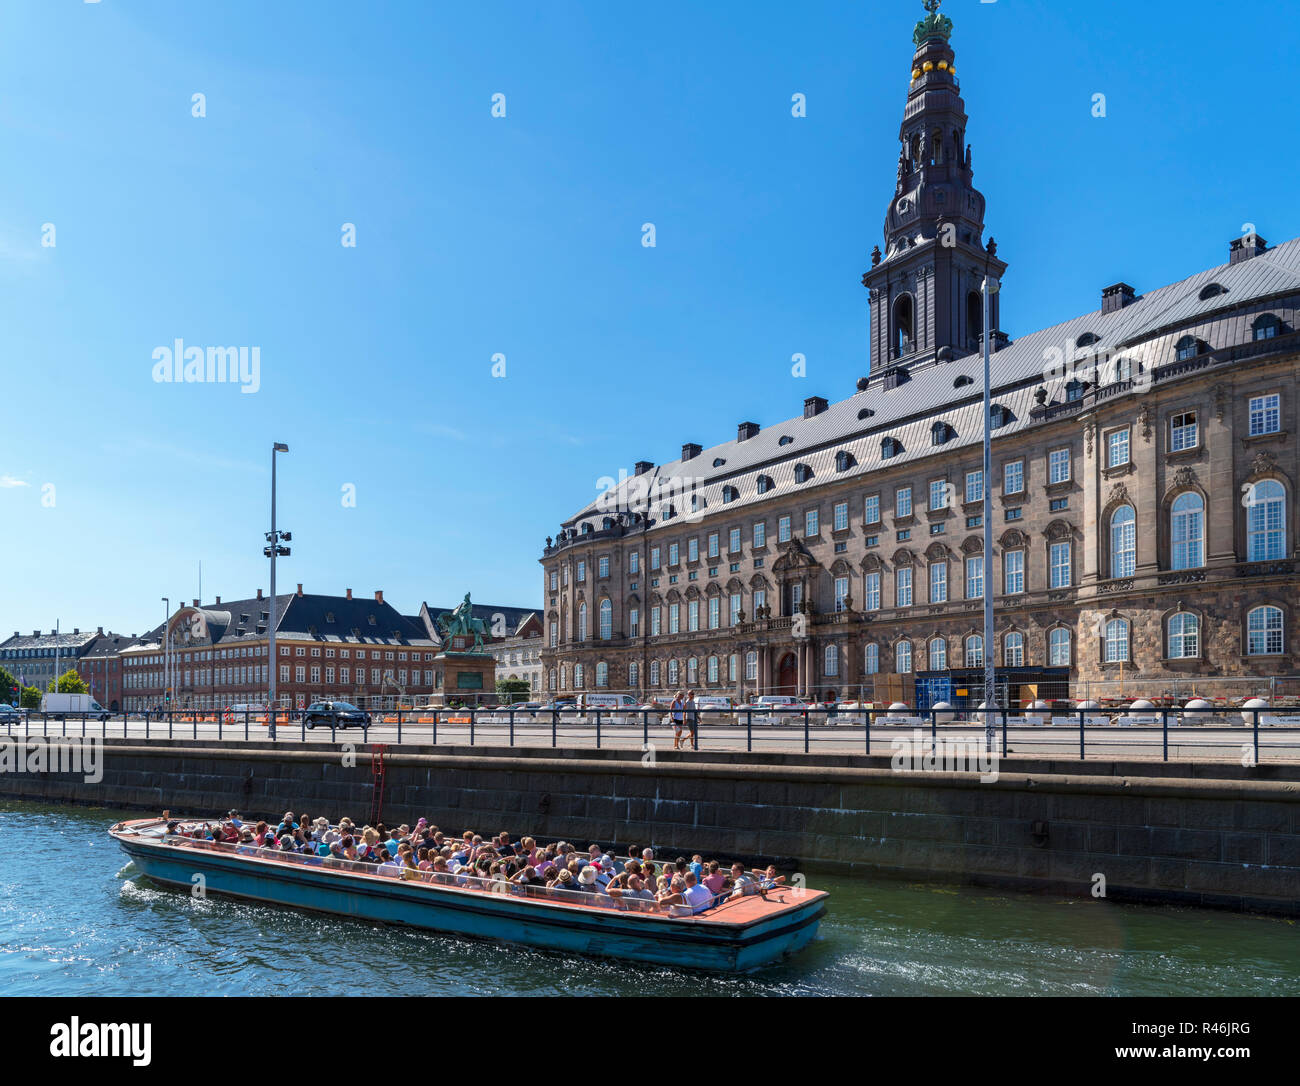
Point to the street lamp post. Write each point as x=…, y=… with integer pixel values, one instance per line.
x=273, y=550
x=167, y=610
x=988, y=289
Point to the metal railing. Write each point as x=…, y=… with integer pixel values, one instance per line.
x=1217, y=732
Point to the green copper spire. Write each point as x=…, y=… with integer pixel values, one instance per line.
x=933, y=25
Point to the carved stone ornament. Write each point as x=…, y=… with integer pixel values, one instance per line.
x=1089, y=433
x=1220, y=401
x=1118, y=495
x=1265, y=463
x=1144, y=417
x=1184, y=477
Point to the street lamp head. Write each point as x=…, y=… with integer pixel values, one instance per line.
x=279, y=446
x=991, y=285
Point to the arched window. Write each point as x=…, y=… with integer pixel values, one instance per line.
x=712, y=672
x=802, y=473
x=729, y=494
x=1187, y=347
x=577, y=676
x=751, y=666
x=692, y=671
x=633, y=674
x=844, y=460
x=582, y=622
x=974, y=319
x=939, y=433
x=1266, y=326
x=1116, y=647
x=974, y=651
x=1123, y=542
x=1265, y=521
x=1212, y=290
x=764, y=483
x=832, y=664
x=1184, y=636
x=551, y=679
x=654, y=672
x=602, y=674
x=672, y=672
x=903, y=326
x=938, y=654
x=1058, y=647
x=890, y=447
x=1264, y=632
x=1013, y=650
x=903, y=658
x=1187, y=531
x=606, y=620
x=785, y=439
x=871, y=663
x=1000, y=415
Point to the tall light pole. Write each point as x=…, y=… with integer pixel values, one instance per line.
x=272, y=551
x=988, y=289
x=167, y=610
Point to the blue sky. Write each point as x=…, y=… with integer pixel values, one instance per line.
x=521, y=236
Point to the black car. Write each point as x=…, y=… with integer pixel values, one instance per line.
x=340, y=714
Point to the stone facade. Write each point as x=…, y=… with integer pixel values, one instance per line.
x=1144, y=464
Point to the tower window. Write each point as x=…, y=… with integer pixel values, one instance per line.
x=974, y=318
x=904, y=326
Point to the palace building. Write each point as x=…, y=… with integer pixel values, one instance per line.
x=1143, y=484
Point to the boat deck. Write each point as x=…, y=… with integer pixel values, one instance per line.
x=732, y=914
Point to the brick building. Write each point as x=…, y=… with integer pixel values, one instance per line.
x=1144, y=470
x=356, y=648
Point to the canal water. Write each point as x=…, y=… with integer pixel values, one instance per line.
x=76, y=918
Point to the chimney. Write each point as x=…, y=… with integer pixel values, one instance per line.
x=196, y=603
x=76, y=630
x=349, y=592
x=36, y=633
x=1244, y=248
x=1116, y=297
x=642, y=466
x=100, y=631
x=300, y=588
x=746, y=430
x=379, y=595
x=259, y=593
x=689, y=451
x=814, y=405
x=218, y=599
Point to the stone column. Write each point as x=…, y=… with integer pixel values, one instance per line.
x=1223, y=506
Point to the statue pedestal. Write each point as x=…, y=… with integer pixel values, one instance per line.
x=466, y=676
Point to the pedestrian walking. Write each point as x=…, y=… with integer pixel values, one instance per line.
x=676, y=713
x=692, y=715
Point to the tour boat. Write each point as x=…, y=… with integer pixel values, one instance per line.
x=735, y=935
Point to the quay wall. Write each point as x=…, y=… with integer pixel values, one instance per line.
x=1193, y=833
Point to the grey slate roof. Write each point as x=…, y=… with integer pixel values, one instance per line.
x=1147, y=329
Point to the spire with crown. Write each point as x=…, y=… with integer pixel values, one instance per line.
x=925, y=300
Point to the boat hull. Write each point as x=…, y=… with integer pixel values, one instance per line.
x=692, y=942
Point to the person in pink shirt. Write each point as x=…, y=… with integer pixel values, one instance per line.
x=715, y=879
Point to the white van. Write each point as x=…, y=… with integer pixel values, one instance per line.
x=64, y=705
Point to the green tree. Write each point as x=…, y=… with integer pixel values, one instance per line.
x=69, y=683
x=512, y=690
x=7, y=686
x=30, y=698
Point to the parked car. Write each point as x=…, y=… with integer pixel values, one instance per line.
x=606, y=702
x=340, y=714
x=10, y=715
x=776, y=701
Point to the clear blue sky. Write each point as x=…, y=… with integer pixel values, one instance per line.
x=522, y=236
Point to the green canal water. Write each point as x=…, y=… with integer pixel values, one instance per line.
x=77, y=919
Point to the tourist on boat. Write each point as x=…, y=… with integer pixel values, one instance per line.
x=715, y=879
x=233, y=817
x=768, y=879
x=695, y=895
x=743, y=885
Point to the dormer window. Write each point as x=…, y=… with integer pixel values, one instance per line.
x=1187, y=347
x=802, y=473
x=940, y=433
x=1266, y=326
x=1087, y=339
x=786, y=439
x=963, y=381
x=729, y=494
x=1000, y=415
x=329, y=616
x=1074, y=392
x=1212, y=290
x=764, y=483
x=718, y=462
x=844, y=460
x=890, y=447
x=865, y=413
